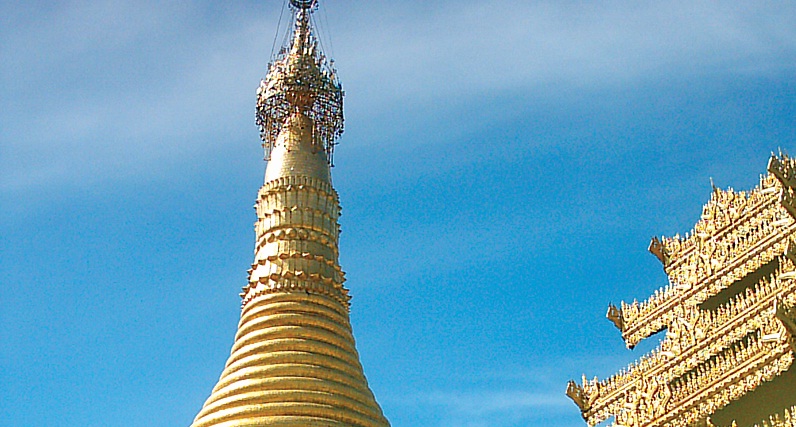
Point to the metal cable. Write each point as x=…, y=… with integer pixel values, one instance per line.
x=278, y=26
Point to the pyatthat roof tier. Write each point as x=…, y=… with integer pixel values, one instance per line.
x=729, y=313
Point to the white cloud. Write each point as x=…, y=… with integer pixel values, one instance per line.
x=470, y=48
x=487, y=407
x=134, y=87
x=526, y=394
x=487, y=403
x=96, y=97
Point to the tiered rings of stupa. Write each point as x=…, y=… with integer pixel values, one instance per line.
x=294, y=361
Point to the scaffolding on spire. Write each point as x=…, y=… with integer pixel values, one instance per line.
x=300, y=78
x=294, y=361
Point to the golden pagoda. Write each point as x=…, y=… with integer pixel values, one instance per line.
x=728, y=315
x=294, y=362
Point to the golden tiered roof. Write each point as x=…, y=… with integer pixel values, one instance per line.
x=727, y=312
x=294, y=361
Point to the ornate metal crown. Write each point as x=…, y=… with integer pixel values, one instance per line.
x=301, y=80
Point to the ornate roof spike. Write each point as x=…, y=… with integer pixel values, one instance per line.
x=301, y=80
x=303, y=4
x=614, y=314
x=729, y=312
x=658, y=248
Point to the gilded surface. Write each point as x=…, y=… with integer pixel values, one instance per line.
x=301, y=78
x=786, y=420
x=294, y=361
x=728, y=313
x=738, y=233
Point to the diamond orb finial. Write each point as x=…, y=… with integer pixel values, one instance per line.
x=301, y=80
x=303, y=4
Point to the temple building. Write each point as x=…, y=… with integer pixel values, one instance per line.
x=294, y=362
x=728, y=315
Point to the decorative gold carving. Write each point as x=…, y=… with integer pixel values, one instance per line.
x=783, y=168
x=713, y=266
x=297, y=236
x=708, y=357
x=659, y=250
x=787, y=419
x=648, y=401
x=697, y=335
x=301, y=79
x=785, y=171
x=615, y=316
x=786, y=313
x=581, y=398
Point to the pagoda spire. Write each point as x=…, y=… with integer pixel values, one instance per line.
x=301, y=82
x=294, y=361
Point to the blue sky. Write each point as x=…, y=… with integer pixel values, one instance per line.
x=503, y=169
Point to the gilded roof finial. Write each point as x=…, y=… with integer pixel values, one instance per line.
x=303, y=4
x=301, y=81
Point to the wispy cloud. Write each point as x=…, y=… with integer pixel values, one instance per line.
x=465, y=48
x=486, y=407
x=93, y=88
x=523, y=395
x=109, y=89
x=489, y=403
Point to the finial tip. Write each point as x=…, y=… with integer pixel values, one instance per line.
x=303, y=4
